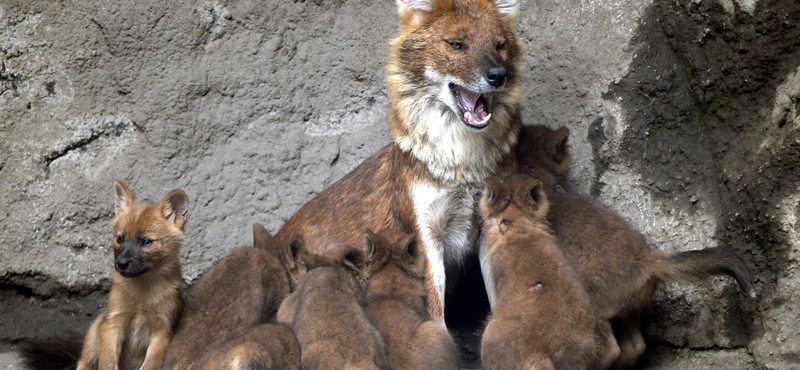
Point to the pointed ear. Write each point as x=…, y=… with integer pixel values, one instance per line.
x=123, y=198
x=354, y=259
x=535, y=195
x=491, y=190
x=262, y=238
x=557, y=145
x=413, y=12
x=174, y=207
x=369, y=244
x=292, y=253
x=508, y=8
x=412, y=249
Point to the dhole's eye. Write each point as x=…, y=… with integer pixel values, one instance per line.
x=456, y=45
x=501, y=45
x=120, y=239
x=146, y=242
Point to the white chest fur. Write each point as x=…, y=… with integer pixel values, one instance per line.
x=135, y=343
x=447, y=225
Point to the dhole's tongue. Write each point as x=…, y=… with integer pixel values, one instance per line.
x=474, y=105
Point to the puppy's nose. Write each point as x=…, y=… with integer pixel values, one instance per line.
x=123, y=264
x=496, y=76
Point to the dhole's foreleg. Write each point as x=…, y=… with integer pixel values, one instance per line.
x=91, y=349
x=156, y=348
x=435, y=283
x=112, y=334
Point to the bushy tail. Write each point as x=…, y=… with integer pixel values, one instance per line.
x=693, y=265
x=51, y=354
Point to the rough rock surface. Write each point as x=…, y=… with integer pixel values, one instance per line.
x=685, y=117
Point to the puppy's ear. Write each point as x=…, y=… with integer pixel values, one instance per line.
x=292, y=255
x=174, y=207
x=557, y=145
x=492, y=190
x=412, y=249
x=536, y=196
x=262, y=238
x=123, y=198
x=355, y=260
x=369, y=244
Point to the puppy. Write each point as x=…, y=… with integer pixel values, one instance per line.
x=262, y=347
x=237, y=293
x=136, y=328
x=397, y=303
x=543, y=318
x=327, y=315
x=613, y=260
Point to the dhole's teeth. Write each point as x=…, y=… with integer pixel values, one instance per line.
x=469, y=117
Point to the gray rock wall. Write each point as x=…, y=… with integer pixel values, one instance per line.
x=685, y=117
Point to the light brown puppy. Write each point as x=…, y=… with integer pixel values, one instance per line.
x=237, y=293
x=614, y=262
x=263, y=347
x=136, y=328
x=542, y=318
x=327, y=315
x=396, y=302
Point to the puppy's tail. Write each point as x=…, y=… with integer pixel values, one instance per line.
x=51, y=354
x=699, y=264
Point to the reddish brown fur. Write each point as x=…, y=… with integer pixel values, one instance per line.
x=397, y=302
x=327, y=314
x=379, y=193
x=613, y=260
x=266, y=346
x=136, y=327
x=237, y=293
x=543, y=317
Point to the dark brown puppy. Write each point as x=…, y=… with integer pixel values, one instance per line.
x=239, y=292
x=265, y=346
x=327, y=315
x=543, y=318
x=397, y=303
x=542, y=153
x=615, y=264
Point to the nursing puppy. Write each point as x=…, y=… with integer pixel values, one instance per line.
x=397, y=303
x=327, y=315
x=613, y=260
x=237, y=293
x=262, y=347
x=542, y=317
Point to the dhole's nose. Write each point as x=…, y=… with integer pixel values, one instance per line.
x=496, y=76
x=123, y=264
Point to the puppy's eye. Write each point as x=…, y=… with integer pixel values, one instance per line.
x=120, y=239
x=456, y=45
x=505, y=221
x=501, y=45
x=146, y=242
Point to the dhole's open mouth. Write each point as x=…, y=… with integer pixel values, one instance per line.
x=474, y=106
